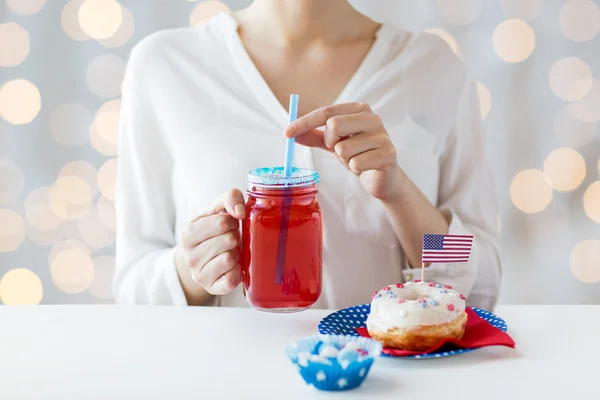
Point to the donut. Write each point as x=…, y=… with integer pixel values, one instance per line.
x=416, y=315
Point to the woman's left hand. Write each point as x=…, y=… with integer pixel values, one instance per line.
x=358, y=138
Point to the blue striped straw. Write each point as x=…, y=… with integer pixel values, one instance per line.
x=287, y=201
x=289, y=146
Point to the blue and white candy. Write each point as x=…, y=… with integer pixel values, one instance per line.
x=329, y=351
x=348, y=356
x=325, y=353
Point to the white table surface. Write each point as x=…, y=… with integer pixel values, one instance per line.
x=117, y=352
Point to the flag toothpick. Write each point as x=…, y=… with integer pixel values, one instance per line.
x=445, y=249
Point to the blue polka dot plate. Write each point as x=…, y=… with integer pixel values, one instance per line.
x=345, y=321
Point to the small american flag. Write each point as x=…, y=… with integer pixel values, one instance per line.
x=446, y=248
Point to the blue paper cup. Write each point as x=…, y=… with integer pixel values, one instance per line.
x=331, y=362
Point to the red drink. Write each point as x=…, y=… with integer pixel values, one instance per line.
x=282, y=241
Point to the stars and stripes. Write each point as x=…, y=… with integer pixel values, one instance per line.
x=446, y=248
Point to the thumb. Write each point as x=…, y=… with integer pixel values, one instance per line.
x=231, y=202
x=234, y=203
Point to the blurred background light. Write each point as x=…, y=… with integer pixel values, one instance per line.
x=20, y=101
x=565, y=169
x=94, y=232
x=14, y=44
x=83, y=170
x=20, y=287
x=72, y=270
x=514, y=40
x=70, y=197
x=591, y=201
x=39, y=212
x=26, y=7
x=585, y=261
x=64, y=245
x=107, y=178
x=124, y=33
x=100, y=19
x=70, y=21
x=104, y=130
x=580, y=20
x=531, y=191
x=570, y=78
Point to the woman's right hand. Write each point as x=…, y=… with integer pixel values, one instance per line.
x=209, y=247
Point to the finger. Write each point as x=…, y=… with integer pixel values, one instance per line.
x=339, y=127
x=317, y=118
x=379, y=159
x=211, y=248
x=208, y=227
x=351, y=147
x=215, y=268
x=314, y=138
x=343, y=126
x=231, y=201
x=228, y=281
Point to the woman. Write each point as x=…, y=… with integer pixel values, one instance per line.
x=389, y=119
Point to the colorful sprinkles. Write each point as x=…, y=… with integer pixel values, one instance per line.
x=387, y=291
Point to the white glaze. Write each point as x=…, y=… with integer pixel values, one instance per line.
x=387, y=313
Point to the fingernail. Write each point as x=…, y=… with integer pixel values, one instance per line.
x=240, y=210
x=290, y=130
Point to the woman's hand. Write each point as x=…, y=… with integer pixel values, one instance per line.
x=209, y=247
x=358, y=138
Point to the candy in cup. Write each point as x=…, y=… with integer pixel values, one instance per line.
x=332, y=362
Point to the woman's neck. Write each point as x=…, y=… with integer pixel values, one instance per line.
x=303, y=22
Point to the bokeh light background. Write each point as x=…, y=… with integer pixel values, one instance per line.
x=61, y=67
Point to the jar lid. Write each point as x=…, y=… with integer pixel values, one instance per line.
x=274, y=177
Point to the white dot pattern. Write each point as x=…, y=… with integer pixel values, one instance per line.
x=318, y=364
x=345, y=321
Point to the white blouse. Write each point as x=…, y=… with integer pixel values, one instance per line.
x=197, y=115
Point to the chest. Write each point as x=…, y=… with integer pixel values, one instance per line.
x=318, y=74
x=216, y=136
